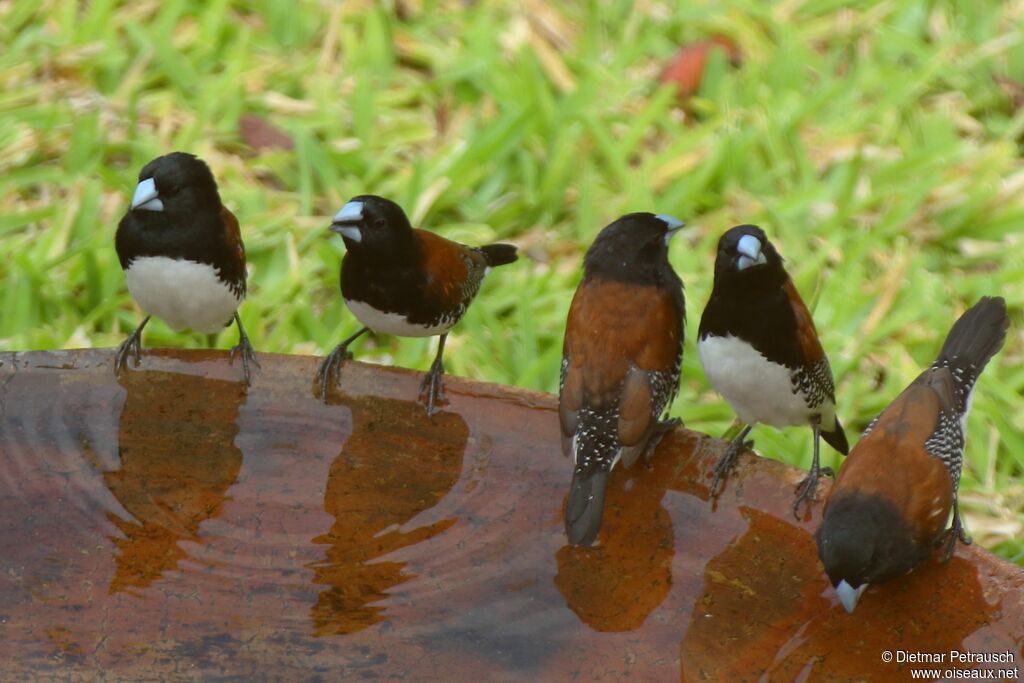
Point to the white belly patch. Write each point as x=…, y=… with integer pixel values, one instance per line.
x=184, y=294
x=756, y=388
x=393, y=323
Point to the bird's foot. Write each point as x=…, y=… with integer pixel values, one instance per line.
x=953, y=534
x=132, y=346
x=248, y=355
x=727, y=462
x=806, y=490
x=661, y=428
x=327, y=374
x=433, y=387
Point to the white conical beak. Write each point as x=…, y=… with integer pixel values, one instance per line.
x=146, y=197
x=673, y=223
x=345, y=220
x=750, y=250
x=848, y=595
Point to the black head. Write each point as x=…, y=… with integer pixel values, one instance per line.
x=864, y=540
x=372, y=224
x=176, y=183
x=633, y=248
x=745, y=256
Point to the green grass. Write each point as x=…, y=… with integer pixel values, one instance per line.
x=879, y=144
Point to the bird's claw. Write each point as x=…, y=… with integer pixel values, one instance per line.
x=806, y=489
x=726, y=464
x=327, y=374
x=130, y=346
x=661, y=428
x=665, y=426
x=433, y=387
x=248, y=355
x=951, y=535
x=244, y=349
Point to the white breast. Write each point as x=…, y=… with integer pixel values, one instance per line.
x=393, y=323
x=756, y=388
x=182, y=293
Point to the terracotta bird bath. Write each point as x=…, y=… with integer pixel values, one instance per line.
x=174, y=525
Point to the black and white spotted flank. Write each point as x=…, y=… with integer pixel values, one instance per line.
x=974, y=339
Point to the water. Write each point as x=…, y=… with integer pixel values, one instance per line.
x=173, y=522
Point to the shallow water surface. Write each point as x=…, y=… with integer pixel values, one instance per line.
x=174, y=523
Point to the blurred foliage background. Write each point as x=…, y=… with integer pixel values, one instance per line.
x=878, y=143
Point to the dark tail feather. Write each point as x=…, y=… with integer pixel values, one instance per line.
x=499, y=254
x=585, y=507
x=973, y=340
x=978, y=334
x=837, y=438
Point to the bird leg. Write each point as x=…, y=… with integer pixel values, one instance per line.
x=131, y=345
x=956, y=531
x=806, y=489
x=432, y=384
x=661, y=428
x=245, y=350
x=728, y=460
x=328, y=372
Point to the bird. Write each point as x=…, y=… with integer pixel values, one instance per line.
x=891, y=501
x=182, y=254
x=621, y=360
x=404, y=281
x=760, y=350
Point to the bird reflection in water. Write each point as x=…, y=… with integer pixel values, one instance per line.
x=766, y=606
x=616, y=585
x=178, y=459
x=396, y=464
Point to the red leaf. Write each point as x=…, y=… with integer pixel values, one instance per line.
x=687, y=68
x=260, y=134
